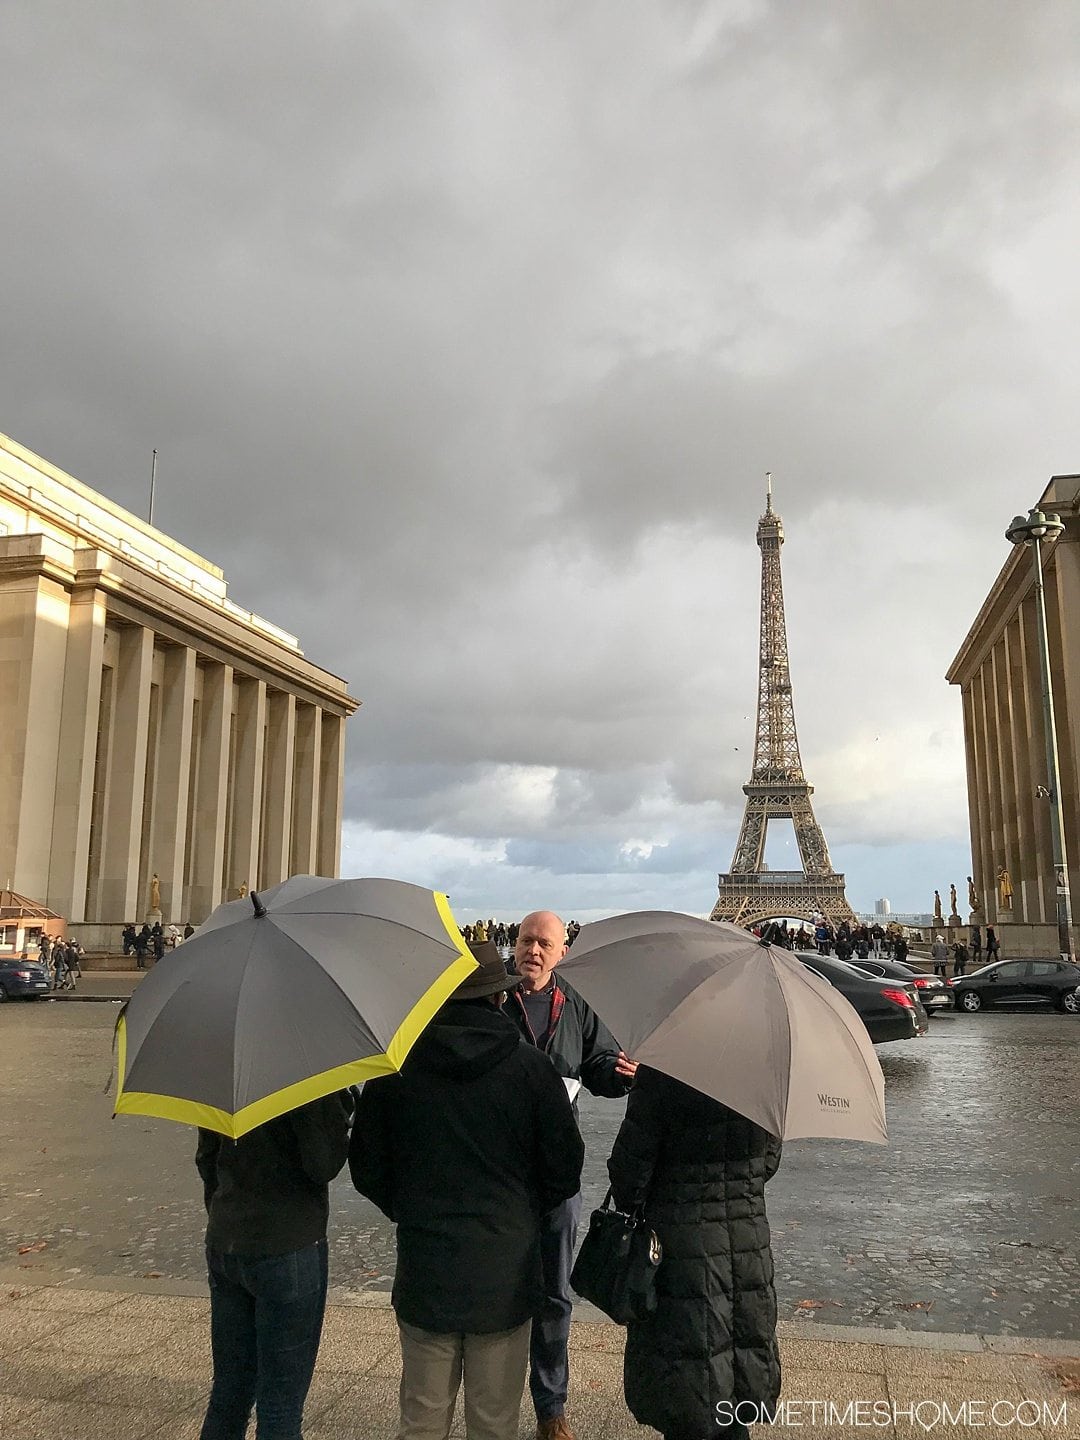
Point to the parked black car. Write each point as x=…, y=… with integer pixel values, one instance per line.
x=933, y=991
x=1019, y=982
x=22, y=977
x=890, y=1009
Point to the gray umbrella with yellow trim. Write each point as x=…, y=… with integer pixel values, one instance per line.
x=284, y=997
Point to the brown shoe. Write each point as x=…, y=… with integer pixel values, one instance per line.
x=557, y=1428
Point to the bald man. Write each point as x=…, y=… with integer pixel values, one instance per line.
x=555, y=1019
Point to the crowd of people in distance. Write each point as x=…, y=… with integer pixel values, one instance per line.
x=62, y=958
x=963, y=951
x=152, y=940
x=473, y=1150
x=860, y=941
x=843, y=940
x=505, y=936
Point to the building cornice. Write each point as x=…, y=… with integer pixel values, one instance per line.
x=30, y=477
x=1014, y=582
x=137, y=598
x=150, y=578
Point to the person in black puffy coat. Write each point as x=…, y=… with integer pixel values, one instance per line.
x=700, y=1171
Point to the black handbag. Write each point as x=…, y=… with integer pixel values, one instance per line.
x=616, y=1266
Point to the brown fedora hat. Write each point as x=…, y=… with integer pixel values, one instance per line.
x=490, y=975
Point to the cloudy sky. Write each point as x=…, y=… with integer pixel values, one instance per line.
x=466, y=334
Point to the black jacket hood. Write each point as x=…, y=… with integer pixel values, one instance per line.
x=466, y=1039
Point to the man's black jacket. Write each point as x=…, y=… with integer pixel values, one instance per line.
x=465, y=1149
x=581, y=1047
x=266, y=1193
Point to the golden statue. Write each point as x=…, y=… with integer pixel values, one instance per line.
x=155, y=892
x=952, y=900
x=1005, y=889
x=973, y=898
x=242, y=892
x=937, y=906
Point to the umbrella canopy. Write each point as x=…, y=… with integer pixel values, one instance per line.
x=282, y=998
x=735, y=1018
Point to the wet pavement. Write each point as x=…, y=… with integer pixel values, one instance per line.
x=967, y=1222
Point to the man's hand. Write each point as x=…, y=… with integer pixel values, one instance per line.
x=625, y=1067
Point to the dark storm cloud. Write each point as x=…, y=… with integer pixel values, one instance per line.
x=465, y=335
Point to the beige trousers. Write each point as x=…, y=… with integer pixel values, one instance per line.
x=433, y=1368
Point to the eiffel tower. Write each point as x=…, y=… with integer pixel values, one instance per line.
x=778, y=788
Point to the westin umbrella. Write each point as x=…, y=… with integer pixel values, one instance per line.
x=739, y=1020
x=282, y=998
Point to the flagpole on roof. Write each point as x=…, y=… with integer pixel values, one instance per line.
x=153, y=478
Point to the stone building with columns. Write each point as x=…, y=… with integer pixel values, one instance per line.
x=150, y=726
x=998, y=671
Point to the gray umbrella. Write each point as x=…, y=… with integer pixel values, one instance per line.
x=282, y=998
x=735, y=1018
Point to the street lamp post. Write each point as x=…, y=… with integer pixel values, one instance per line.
x=1032, y=530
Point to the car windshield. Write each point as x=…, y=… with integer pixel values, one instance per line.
x=830, y=962
x=848, y=967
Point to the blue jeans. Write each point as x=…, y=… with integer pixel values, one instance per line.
x=549, y=1368
x=266, y=1317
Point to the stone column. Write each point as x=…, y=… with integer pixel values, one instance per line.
x=169, y=844
x=974, y=826
x=1062, y=599
x=215, y=719
x=120, y=901
x=247, y=785
x=993, y=769
x=33, y=627
x=278, y=788
x=1014, y=681
x=982, y=768
x=331, y=793
x=1037, y=871
x=99, y=804
x=1005, y=778
x=306, y=771
x=77, y=754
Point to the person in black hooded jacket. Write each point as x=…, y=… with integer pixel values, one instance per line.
x=465, y=1150
x=700, y=1170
